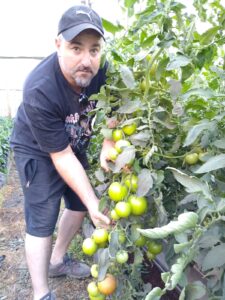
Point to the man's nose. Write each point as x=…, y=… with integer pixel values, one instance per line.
x=86, y=59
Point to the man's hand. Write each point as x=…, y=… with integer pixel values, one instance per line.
x=104, y=156
x=99, y=219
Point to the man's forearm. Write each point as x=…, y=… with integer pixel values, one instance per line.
x=73, y=173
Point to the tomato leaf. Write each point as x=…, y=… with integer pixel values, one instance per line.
x=110, y=27
x=155, y=294
x=177, y=62
x=124, y=158
x=127, y=77
x=191, y=183
x=129, y=106
x=199, y=92
x=195, y=290
x=145, y=182
x=103, y=262
x=208, y=36
x=194, y=132
x=214, y=163
x=220, y=143
x=214, y=258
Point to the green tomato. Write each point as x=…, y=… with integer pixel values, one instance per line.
x=150, y=255
x=121, y=144
x=112, y=154
x=138, y=205
x=114, y=215
x=129, y=129
x=140, y=241
x=191, y=159
x=131, y=181
x=89, y=246
x=123, y=209
x=100, y=235
x=94, y=270
x=122, y=237
x=117, y=134
x=154, y=247
x=122, y=256
x=92, y=289
x=117, y=191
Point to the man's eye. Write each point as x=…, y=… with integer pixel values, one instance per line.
x=94, y=51
x=76, y=49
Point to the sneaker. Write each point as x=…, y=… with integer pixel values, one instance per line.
x=49, y=296
x=69, y=267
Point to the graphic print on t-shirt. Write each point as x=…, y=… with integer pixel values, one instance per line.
x=78, y=127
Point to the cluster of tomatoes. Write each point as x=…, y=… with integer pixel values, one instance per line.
x=124, y=204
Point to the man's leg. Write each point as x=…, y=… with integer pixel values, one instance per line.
x=38, y=252
x=69, y=224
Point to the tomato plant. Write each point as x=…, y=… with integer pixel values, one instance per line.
x=166, y=77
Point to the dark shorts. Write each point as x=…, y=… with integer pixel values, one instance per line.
x=43, y=190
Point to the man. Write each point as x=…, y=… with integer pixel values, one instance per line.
x=50, y=135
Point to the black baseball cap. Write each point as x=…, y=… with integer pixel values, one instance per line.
x=79, y=18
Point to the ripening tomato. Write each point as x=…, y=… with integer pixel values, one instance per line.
x=129, y=129
x=94, y=270
x=117, y=134
x=114, y=215
x=89, y=246
x=121, y=144
x=92, y=289
x=100, y=235
x=123, y=209
x=191, y=159
x=131, y=181
x=117, y=191
x=112, y=154
x=154, y=247
x=108, y=285
x=122, y=256
x=138, y=205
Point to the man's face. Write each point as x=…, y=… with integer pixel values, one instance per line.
x=79, y=59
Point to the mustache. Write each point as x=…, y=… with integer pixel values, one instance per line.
x=84, y=69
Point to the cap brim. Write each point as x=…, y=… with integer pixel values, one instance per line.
x=72, y=32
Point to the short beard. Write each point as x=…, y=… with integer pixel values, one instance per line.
x=83, y=82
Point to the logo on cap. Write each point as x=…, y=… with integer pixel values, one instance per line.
x=84, y=13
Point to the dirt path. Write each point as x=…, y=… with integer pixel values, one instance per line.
x=15, y=281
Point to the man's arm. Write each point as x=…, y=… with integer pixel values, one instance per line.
x=73, y=173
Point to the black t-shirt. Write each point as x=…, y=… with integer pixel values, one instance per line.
x=52, y=115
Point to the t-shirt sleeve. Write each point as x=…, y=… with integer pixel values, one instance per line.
x=47, y=127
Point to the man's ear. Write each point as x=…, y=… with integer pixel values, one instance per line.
x=57, y=43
